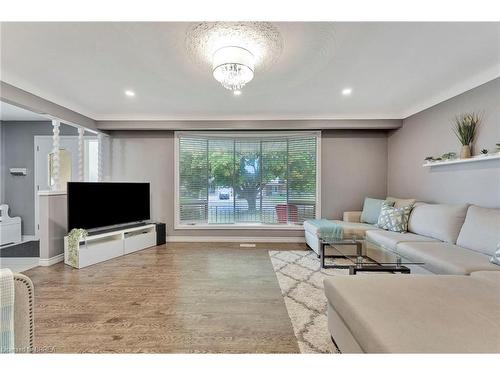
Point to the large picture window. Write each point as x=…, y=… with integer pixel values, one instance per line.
x=246, y=179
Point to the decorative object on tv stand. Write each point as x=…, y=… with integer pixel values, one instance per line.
x=484, y=152
x=74, y=238
x=465, y=128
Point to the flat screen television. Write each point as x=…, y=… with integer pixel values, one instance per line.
x=102, y=204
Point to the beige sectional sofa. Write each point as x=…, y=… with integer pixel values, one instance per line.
x=454, y=308
x=448, y=239
x=387, y=313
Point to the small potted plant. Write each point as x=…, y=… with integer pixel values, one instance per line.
x=429, y=159
x=484, y=152
x=465, y=128
x=449, y=156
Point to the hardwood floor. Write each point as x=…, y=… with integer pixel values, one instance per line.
x=175, y=298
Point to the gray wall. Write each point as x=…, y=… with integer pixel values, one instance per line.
x=17, y=148
x=429, y=133
x=354, y=164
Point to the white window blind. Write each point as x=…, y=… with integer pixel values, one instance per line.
x=247, y=179
x=193, y=176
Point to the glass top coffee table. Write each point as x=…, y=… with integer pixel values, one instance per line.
x=392, y=262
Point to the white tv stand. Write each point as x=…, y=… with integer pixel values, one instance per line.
x=111, y=244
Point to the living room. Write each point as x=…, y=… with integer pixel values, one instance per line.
x=253, y=187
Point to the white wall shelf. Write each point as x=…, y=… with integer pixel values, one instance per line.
x=461, y=161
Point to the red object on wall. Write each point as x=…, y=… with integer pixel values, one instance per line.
x=287, y=213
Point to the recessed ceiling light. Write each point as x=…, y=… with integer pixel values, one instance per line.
x=237, y=92
x=129, y=93
x=347, y=91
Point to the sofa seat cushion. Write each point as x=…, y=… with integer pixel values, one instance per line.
x=391, y=239
x=418, y=313
x=481, y=230
x=440, y=221
x=491, y=276
x=444, y=258
x=350, y=229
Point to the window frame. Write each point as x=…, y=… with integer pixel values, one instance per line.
x=260, y=134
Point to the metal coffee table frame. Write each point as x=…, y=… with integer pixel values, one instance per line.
x=358, y=265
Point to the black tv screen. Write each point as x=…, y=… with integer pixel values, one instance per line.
x=101, y=204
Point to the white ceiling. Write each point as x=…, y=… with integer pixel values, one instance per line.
x=12, y=113
x=394, y=69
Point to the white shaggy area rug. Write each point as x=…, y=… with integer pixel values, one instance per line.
x=301, y=281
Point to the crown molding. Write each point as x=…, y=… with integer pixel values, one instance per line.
x=45, y=105
x=460, y=88
x=379, y=124
x=248, y=117
x=21, y=84
x=34, y=103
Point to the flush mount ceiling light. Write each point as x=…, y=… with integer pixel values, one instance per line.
x=233, y=67
x=234, y=49
x=129, y=93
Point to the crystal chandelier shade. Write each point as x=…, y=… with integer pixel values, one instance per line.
x=233, y=67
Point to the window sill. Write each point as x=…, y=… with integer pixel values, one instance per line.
x=253, y=226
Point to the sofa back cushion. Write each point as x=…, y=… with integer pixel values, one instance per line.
x=440, y=221
x=481, y=230
x=371, y=210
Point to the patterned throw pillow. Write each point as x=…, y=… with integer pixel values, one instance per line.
x=394, y=219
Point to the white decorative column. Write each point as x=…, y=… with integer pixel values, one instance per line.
x=81, y=131
x=100, y=157
x=103, y=157
x=55, y=158
x=107, y=158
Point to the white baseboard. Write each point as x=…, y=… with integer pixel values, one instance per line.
x=44, y=262
x=235, y=239
x=23, y=240
x=18, y=264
